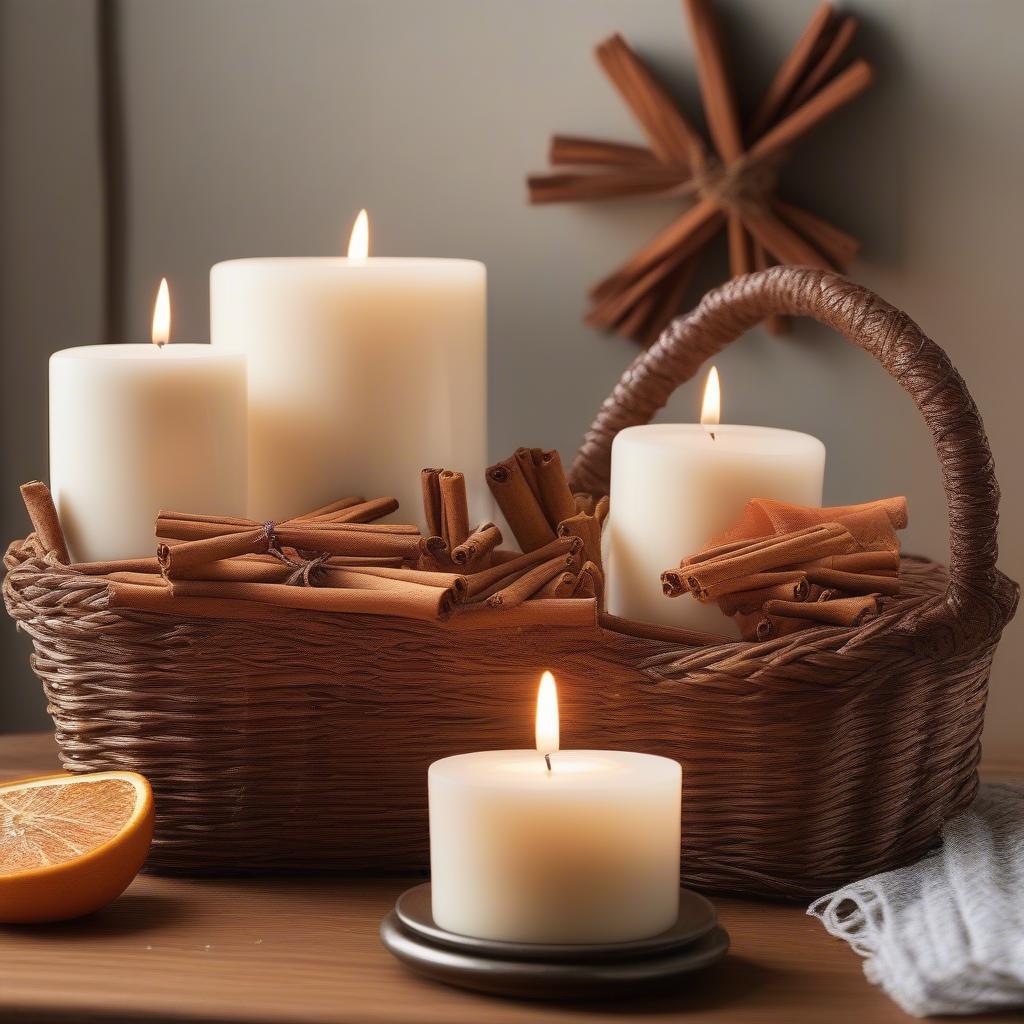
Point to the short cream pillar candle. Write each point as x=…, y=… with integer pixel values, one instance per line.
x=674, y=486
x=581, y=846
x=138, y=428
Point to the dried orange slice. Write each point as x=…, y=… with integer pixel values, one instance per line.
x=69, y=844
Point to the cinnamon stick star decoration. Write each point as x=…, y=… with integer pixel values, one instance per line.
x=731, y=181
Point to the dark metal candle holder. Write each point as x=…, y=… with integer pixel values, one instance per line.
x=529, y=970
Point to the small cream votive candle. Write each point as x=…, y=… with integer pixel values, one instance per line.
x=571, y=846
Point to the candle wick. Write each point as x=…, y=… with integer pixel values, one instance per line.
x=712, y=433
x=547, y=761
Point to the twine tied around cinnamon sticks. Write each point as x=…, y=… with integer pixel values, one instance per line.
x=783, y=568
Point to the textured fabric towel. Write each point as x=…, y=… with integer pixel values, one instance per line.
x=946, y=935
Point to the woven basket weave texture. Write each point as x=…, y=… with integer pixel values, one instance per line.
x=808, y=761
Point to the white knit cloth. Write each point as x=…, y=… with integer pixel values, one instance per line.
x=946, y=935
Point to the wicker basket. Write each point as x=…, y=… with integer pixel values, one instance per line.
x=303, y=742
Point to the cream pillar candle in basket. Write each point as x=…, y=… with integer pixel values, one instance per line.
x=676, y=485
x=362, y=371
x=579, y=847
x=137, y=428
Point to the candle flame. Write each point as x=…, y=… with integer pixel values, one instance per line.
x=359, y=240
x=547, y=715
x=162, y=315
x=711, y=407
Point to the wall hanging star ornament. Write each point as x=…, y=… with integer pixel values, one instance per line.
x=732, y=182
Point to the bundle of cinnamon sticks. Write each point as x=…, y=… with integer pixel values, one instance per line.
x=783, y=568
x=533, y=493
x=341, y=559
x=732, y=182
x=451, y=544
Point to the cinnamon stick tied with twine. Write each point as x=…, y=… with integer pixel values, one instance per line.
x=324, y=538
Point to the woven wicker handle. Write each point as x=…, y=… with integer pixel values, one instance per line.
x=980, y=598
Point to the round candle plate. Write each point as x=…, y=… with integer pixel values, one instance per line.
x=696, y=918
x=544, y=979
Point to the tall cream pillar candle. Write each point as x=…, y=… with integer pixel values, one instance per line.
x=362, y=372
x=676, y=485
x=137, y=428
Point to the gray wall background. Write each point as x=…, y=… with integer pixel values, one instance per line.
x=260, y=128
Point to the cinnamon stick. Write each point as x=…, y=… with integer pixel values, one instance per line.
x=45, y=521
x=792, y=70
x=854, y=582
x=772, y=627
x=481, y=583
x=484, y=539
x=845, y=87
x=519, y=505
x=186, y=556
x=553, y=488
x=398, y=598
x=839, y=247
x=688, y=233
x=324, y=511
x=529, y=582
x=703, y=578
x=670, y=135
x=362, y=512
x=136, y=565
x=715, y=84
x=749, y=601
x=617, y=294
x=714, y=591
x=782, y=241
x=528, y=459
x=749, y=544
x=589, y=581
x=878, y=563
x=558, y=586
x=588, y=529
x=454, y=508
x=844, y=611
x=429, y=479
x=839, y=44
x=668, y=301
x=337, y=539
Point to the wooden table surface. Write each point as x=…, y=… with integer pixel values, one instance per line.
x=306, y=950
